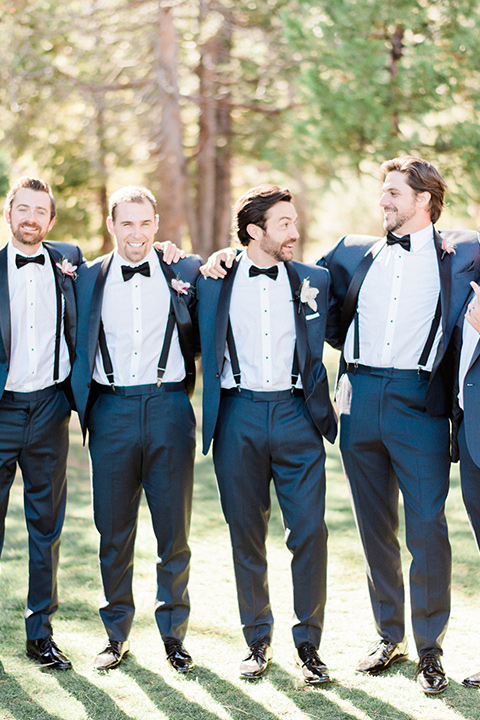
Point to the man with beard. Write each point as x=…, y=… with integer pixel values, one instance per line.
x=396, y=300
x=37, y=342
x=266, y=406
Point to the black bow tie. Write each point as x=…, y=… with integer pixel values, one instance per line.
x=403, y=241
x=128, y=272
x=21, y=260
x=271, y=272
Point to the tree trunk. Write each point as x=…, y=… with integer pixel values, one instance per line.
x=174, y=200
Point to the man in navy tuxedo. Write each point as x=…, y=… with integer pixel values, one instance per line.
x=133, y=375
x=466, y=343
x=396, y=300
x=37, y=341
x=266, y=406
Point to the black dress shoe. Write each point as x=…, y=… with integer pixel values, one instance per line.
x=46, y=652
x=431, y=677
x=177, y=655
x=112, y=656
x=314, y=670
x=383, y=655
x=472, y=681
x=257, y=660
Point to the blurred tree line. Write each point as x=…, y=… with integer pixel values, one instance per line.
x=196, y=97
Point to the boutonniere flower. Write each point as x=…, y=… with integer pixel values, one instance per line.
x=307, y=295
x=67, y=268
x=181, y=287
x=448, y=248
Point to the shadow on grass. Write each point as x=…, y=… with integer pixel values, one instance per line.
x=97, y=703
x=19, y=703
x=171, y=701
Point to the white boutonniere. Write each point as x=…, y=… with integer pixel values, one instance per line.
x=181, y=287
x=448, y=248
x=308, y=294
x=67, y=268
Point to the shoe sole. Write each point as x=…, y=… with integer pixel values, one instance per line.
x=258, y=675
x=471, y=684
x=433, y=691
x=52, y=666
x=373, y=671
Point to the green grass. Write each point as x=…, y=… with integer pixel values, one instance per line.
x=144, y=688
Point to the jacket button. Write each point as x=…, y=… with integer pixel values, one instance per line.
x=217, y=375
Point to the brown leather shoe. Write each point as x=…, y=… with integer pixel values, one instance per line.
x=431, y=677
x=472, y=681
x=177, y=656
x=47, y=653
x=257, y=660
x=314, y=670
x=112, y=656
x=383, y=655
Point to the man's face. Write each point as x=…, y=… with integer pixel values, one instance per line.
x=399, y=203
x=134, y=228
x=29, y=218
x=280, y=233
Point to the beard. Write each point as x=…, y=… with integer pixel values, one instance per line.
x=28, y=238
x=275, y=250
x=397, y=221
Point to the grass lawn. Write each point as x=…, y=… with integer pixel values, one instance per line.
x=144, y=688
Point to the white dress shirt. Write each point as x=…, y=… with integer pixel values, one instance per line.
x=33, y=316
x=470, y=339
x=396, y=306
x=263, y=326
x=135, y=314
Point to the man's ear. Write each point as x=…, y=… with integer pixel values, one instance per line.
x=423, y=199
x=110, y=225
x=255, y=231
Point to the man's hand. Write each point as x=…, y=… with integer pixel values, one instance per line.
x=171, y=253
x=213, y=268
x=473, y=312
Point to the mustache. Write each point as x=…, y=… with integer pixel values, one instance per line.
x=31, y=226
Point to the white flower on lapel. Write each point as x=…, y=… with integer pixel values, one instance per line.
x=447, y=248
x=67, y=268
x=182, y=288
x=308, y=294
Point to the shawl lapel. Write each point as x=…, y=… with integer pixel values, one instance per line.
x=5, y=321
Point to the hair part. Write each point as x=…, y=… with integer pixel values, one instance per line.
x=31, y=183
x=422, y=176
x=253, y=207
x=131, y=193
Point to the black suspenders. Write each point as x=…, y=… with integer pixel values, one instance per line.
x=236, y=365
x=350, y=307
x=162, y=361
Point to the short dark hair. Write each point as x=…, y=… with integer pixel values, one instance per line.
x=253, y=206
x=131, y=193
x=30, y=183
x=422, y=176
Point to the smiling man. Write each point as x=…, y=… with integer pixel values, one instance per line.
x=396, y=300
x=133, y=375
x=266, y=406
x=37, y=345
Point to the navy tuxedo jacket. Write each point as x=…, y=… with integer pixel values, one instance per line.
x=456, y=270
x=471, y=393
x=57, y=251
x=90, y=286
x=213, y=311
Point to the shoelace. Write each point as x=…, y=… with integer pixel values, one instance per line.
x=430, y=663
x=311, y=655
x=173, y=647
x=257, y=649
